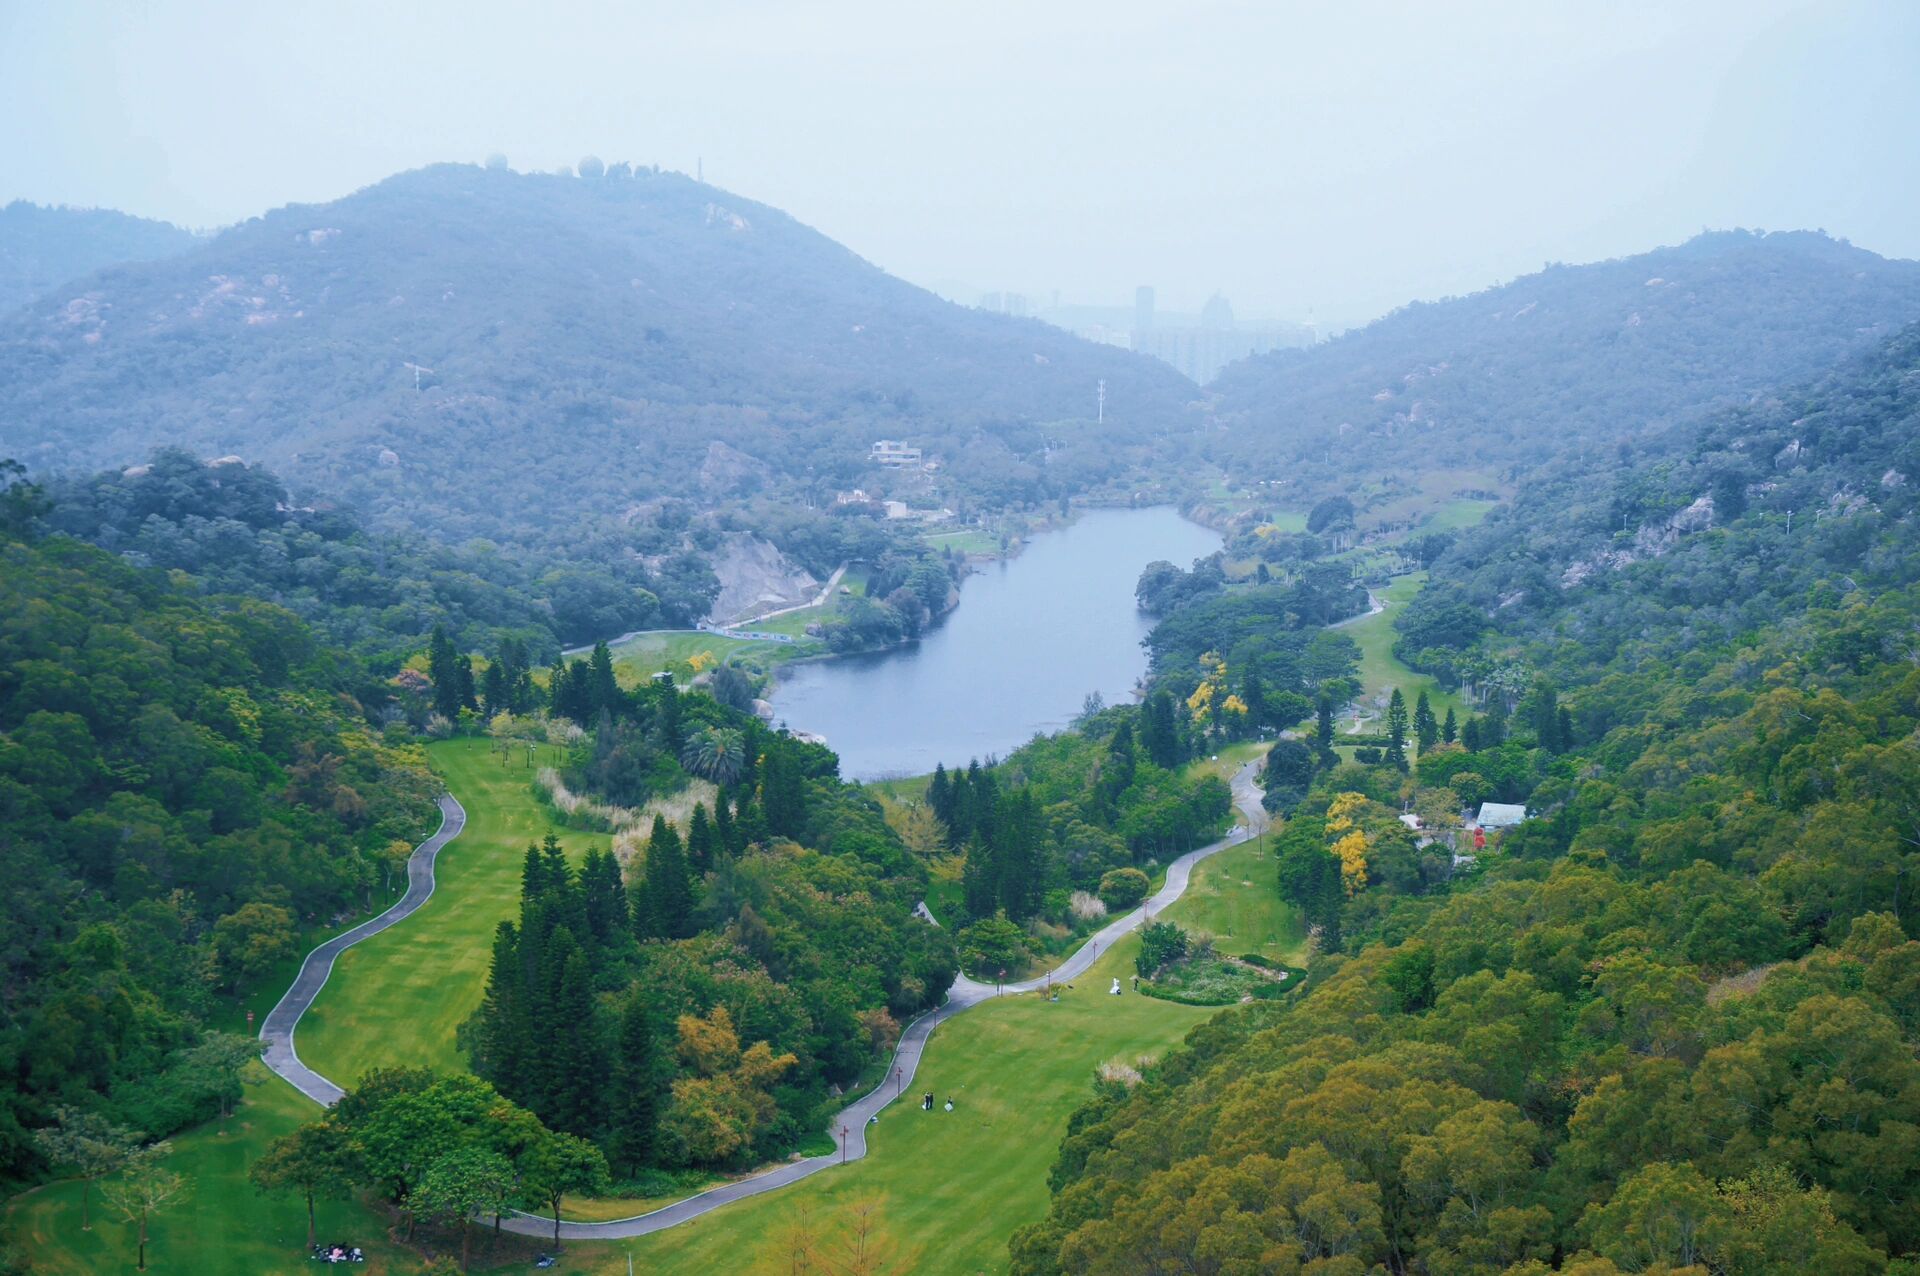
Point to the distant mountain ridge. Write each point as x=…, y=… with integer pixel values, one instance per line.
x=1572, y=355
x=42, y=248
x=578, y=345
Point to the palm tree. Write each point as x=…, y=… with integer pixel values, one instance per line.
x=715, y=753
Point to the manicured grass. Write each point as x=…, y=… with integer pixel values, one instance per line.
x=1458, y=513
x=1381, y=670
x=397, y=998
x=223, y=1228
x=1233, y=897
x=957, y=1184
x=970, y=541
x=638, y=659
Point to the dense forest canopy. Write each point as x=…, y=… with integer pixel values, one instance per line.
x=186, y=786
x=479, y=352
x=1668, y=1023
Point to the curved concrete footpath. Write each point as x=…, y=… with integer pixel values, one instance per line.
x=277, y=1029
x=965, y=994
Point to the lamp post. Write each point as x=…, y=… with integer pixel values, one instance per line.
x=843, y=1145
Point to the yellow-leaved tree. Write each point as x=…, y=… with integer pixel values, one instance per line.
x=1350, y=840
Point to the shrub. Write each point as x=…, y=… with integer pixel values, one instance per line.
x=1160, y=943
x=1086, y=907
x=1123, y=888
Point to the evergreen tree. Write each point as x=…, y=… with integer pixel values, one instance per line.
x=606, y=897
x=979, y=882
x=463, y=666
x=1157, y=731
x=1450, y=729
x=940, y=794
x=603, y=691
x=494, y=692
x=1566, y=729
x=1117, y=772
x=633, y=1106
x=699, y=843
x=1020, y=879
x=1470, y=735
x=1397, y=729
x=565, y=1095
x=1254, y=696
x=751, y=826
x=501, y=1045
x=726, y=835
x=1323, y=732
x=782, y=793
x=667, y=724
x=1425, y=729
x=663, y=906
x=443, y=668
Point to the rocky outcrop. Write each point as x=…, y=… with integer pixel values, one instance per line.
x=756, y=578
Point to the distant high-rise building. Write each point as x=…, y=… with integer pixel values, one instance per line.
x=1201, y=350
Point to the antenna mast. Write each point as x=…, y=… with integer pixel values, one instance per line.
x=1100, y=403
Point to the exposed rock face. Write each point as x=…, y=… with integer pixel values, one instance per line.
x=756, y=578
x=728, y=469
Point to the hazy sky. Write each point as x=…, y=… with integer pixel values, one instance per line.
x=1332, y=159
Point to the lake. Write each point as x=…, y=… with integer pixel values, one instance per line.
x=1032, y=636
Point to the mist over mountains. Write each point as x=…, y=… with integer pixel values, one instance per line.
x=42, y=248
x=1569, y=356
x=579, y=345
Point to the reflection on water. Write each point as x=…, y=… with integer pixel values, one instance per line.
x=1031, y=637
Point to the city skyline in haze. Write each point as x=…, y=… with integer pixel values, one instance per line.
x=1310, y=165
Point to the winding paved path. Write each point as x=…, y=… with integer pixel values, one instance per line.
x=277, y=1029
x=965, y=994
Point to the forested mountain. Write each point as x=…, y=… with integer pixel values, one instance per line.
x=1572, y=356
x=232, y=529
x=184, y=788
x=42, y=248
x=580, y=345
x=1669, y=1022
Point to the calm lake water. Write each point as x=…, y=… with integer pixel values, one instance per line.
x=1031, y=637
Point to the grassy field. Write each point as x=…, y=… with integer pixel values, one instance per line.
x=970, y=541
x=639, y=658
x=398, y=997
x=1457, y=513
x=1233, y=899
x=1381, y=671
x=956, y=1185
x=223, y=1228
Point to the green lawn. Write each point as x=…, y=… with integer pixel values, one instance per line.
x=223, y=1228
x=970, y=541
x=1458, y=513
x=397, y=998
x=957, y=1185
x=1233, y=899
x=639, y=658
x=1381, y=670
